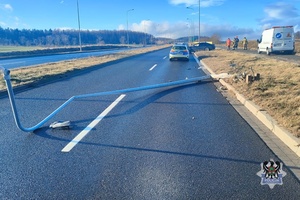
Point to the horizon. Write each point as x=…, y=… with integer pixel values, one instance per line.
x=160, y=18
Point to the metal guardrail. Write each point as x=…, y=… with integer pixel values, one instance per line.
x=6, y=74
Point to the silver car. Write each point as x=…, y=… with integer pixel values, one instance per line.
x=179, y=51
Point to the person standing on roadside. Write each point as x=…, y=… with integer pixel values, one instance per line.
x=236, y=42
x=245, y=43
x=228, y=43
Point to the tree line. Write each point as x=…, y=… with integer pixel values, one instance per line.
x=57, y=37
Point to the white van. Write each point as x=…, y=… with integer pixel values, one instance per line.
x=277, y=39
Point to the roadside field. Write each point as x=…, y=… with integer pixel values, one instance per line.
x=43, y=72
x=277, y=91
x=18, y=48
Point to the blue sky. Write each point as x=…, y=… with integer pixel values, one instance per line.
x=166, y=18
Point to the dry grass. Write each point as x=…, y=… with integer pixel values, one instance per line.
x=277, y=91
x=252, y=45
x=29, y=75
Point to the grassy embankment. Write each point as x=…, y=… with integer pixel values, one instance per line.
x=17, y=48
x=277, y=91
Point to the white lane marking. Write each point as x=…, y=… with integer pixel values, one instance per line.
x=85, y=131
x=152, y=67
x=165, y=57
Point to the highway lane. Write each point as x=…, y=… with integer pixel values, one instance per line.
x=184, y=142
x=36, y=60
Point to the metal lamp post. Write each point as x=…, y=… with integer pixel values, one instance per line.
x=144, y=42
x=199, y=23
x=145, y=31
x=127, y=25
x=189, y=34
x=192, y=25
x=79, y=26
x=190, y=30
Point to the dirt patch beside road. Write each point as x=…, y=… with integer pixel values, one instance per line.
x=277, y=91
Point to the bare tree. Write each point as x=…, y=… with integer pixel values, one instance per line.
x=215, y=38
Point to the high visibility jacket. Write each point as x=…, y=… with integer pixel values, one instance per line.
x=228, y=42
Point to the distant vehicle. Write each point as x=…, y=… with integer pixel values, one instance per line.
x=179, y=51
x=202, y=46
x=277, y=39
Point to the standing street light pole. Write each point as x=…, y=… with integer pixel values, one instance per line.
x=189, y=27
x=145, y=31
x=144, y=40
x=79, y=26
x=192, y=24
x=199, y=23
x=127, y=25
x=189, y=33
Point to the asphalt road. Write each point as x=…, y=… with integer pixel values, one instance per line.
x=183, y=142
x=12, y=63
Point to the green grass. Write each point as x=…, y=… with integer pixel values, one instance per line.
x=18, y=48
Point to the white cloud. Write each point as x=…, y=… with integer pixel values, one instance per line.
x=203, y=3
x=121, y=27
x=164, y=29
x=280, y=14
x=6, y=7
x=228, y=31
x=209, y=3
x=281, y=10
x=184, y=29
x=275, y=15
x=143, y=26
x=186, y=2
x=2, y=23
